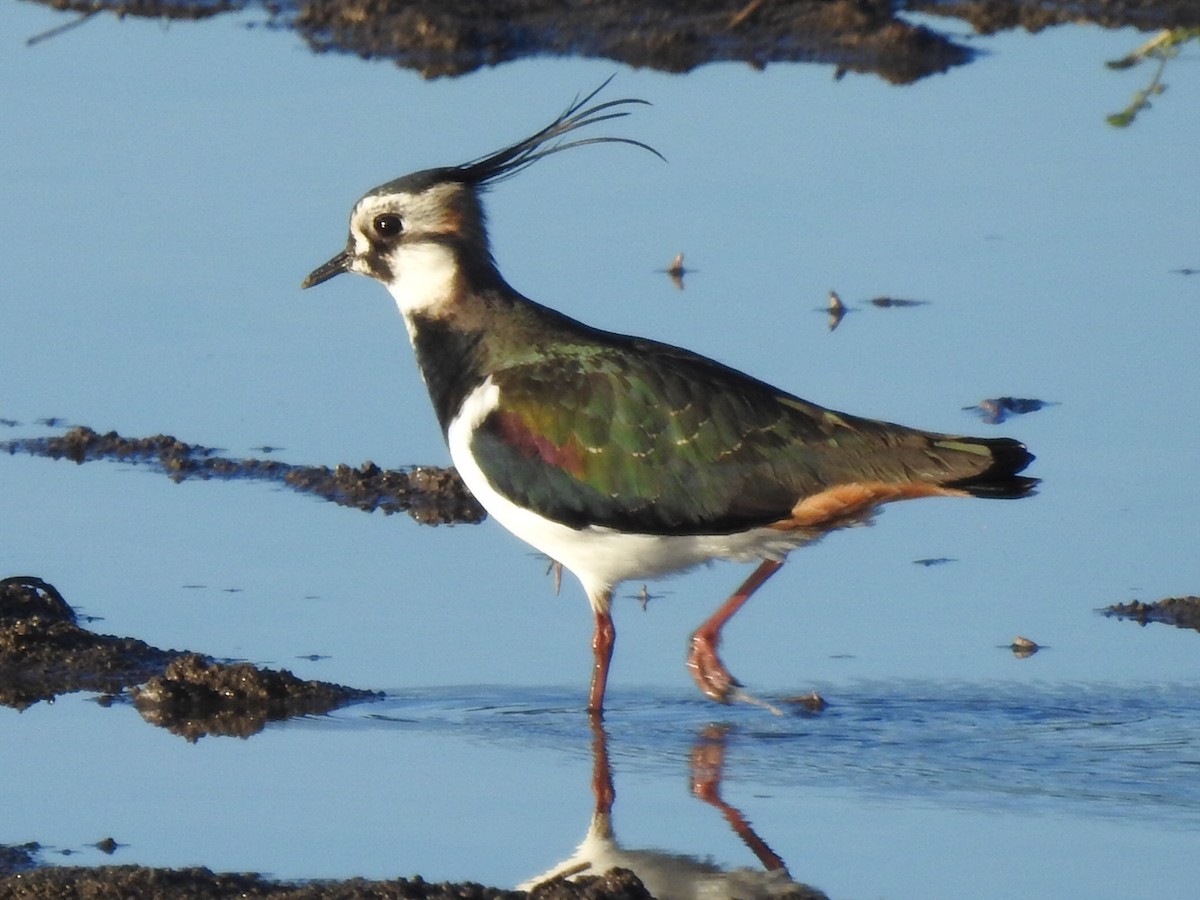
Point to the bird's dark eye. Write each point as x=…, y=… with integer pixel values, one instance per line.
x=387, y=225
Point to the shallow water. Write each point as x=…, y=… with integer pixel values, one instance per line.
x=161, y=232
x=1100, y=750
x=495, y=784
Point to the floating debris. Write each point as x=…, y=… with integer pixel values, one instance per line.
x=108, y=846
x=644, y=596
x=1182, y=612
x=1163, y=47
x=676, y=271
x=837, y=310
x=997, y=409
x=553, y=565
x=60, y=29
x=810, y=703
x=1023, y=647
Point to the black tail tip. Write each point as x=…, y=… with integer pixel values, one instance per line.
x=1000, y=480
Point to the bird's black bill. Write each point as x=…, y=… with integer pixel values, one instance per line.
x=336, y=266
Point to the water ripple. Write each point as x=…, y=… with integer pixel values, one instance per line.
x=1108, y=750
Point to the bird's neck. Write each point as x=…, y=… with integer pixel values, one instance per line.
x=453, y=362
x=465, y=322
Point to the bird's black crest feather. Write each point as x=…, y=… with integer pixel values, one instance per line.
x=512, y=159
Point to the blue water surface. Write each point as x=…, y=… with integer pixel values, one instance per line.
x=166, y=188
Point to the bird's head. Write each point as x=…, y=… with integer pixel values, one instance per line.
x=419, y=233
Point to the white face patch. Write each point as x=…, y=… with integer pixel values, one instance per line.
x=416, y=265
x=424, y=277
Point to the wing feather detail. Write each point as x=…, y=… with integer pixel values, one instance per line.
x=656, y=440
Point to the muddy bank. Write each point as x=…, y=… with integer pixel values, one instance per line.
x=1182, y=612
x=431, y=495
x=18, y=858
x=45, y=652
x=121, y=882
x=440, y=38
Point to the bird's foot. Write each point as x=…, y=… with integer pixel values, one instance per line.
x=741, y=696
x=709, y=673
x=714, y=680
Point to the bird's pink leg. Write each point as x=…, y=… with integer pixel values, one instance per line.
x=603, y=639
x=706, y=667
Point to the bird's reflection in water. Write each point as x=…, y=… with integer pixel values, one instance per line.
x=676, y=876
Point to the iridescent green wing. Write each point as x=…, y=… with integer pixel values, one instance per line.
x=649, y=439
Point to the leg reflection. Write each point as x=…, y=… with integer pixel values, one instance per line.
x=675, y=876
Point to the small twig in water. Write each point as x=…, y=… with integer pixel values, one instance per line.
x=60, y=29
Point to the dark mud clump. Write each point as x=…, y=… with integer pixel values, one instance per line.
x=1182, y=612
x=44, y=652
x=78, y=883
x=431, y=495
x=196, y=697
x=17, y=858
x=897, y=303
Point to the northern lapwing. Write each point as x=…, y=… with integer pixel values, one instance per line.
x=624, y=458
